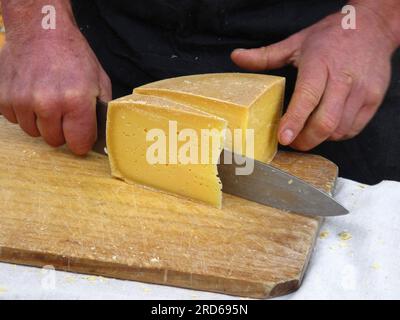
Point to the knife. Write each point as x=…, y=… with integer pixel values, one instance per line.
x=266, y=185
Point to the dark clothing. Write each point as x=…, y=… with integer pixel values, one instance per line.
x=142, y=41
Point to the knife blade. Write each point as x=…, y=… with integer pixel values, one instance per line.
x=101, y=114
x=266, y=184
x=273, y=187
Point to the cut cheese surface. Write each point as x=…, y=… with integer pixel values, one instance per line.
x=135, y=126
x=246, y=101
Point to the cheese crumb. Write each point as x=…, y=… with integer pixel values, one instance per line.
x=91, y=278
x=155, y=260
x=344, y=236
x=376, y=266
x=70, y=279
x=324, y=234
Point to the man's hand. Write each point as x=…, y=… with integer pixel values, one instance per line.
x=343, y=75
x=50, y=79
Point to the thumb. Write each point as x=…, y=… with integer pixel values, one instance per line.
x=274, y=56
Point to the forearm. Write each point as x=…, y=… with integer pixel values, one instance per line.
x=388, y=12
x=23, y=18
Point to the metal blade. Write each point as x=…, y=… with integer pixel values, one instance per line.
x=266, y=185
x=101, y=114
x=273, y=187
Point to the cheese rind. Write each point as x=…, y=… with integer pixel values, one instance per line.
x=129, y=121
x=246, y=101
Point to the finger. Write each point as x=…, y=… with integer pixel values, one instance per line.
x=362, y=119
x=105, y=90
x=353, y=105
x=310, y=86
x=326, y=118
x=8, y=113
x=79, y=127
x=50, y=128
x=5, y=106
x=269, y=57
x=25, y=116
x=27, y=121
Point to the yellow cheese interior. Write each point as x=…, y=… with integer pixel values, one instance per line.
x=246, y=101
x=128, y=122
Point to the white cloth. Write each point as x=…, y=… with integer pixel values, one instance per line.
x=365, y=266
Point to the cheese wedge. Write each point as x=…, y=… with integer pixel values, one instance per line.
x=246, y=101
x=137, y=129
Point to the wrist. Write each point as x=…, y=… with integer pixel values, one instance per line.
x=24, y=20
x=388, y=14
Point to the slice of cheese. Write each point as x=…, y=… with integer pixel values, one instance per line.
x=246, y=101
x=134, y=119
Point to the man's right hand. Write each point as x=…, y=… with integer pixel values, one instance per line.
x=49, y=84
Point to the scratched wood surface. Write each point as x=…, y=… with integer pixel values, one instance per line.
x=66, y=211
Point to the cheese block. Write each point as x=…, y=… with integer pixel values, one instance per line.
x=137, y=129
x=246, y=101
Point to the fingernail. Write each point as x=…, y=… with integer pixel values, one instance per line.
x=287, y=137
x=239, y=50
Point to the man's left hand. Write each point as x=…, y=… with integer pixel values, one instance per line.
x=343, y=76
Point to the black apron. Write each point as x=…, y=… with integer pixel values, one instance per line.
x=146, y=40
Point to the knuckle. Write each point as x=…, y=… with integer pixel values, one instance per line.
x=343, y=77
x=265, y=56
x=45, y=109
x=75, y=100
x=21, y=101
x=310, y=94
x=75, y=95
x=326, y=125
x=296, y=117
x=45, y=103
x=337, y=136
x=375, y=96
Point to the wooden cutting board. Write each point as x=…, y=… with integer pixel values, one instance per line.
x=66, y=211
